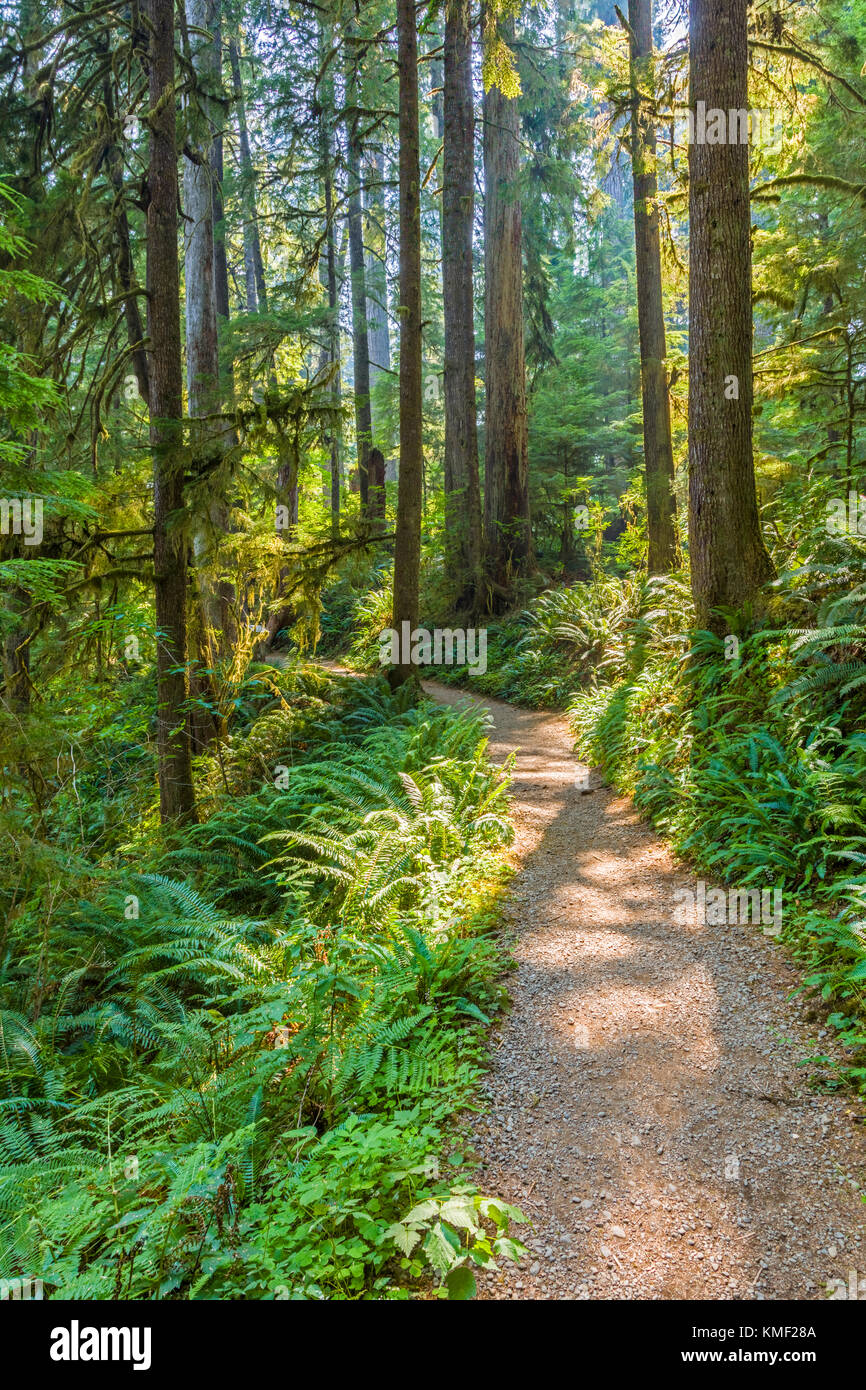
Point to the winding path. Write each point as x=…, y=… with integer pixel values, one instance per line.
x=646, y=1106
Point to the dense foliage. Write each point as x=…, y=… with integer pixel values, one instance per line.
x=233, y=1068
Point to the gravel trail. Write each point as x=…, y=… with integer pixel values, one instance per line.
x=646, y=1107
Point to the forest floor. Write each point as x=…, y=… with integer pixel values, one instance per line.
x=646, y=1107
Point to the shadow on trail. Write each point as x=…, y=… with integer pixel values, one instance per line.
x=643, y=1112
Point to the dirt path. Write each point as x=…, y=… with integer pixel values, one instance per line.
x=646, y=1107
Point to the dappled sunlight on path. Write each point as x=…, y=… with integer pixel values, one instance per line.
x=646, y=1106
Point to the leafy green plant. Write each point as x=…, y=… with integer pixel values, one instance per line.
x=240, y=1079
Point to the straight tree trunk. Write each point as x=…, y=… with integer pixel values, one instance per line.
x=217, y=172
x=257, y=295
x=202, y=349
x=289, y=456
x=729, y=563
x=220, y=268
x=462, y=484
x=125, y=264
x=333, y=349
x=407, y=545
x=209, y=438
x=326, y=156
x=376, y=283
x=376, y=504
x=507, y=533
x=360, y=345
x=176, y=795
x=833, y=435
x=658, y=452
x=334, y=356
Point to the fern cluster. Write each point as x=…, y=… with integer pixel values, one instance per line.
x=751, y=759
x=294, y=993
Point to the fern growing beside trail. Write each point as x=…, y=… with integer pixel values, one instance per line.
x=750, y=757
x=238, y=1071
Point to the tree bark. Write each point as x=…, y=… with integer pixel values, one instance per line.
x=257, y=294
x=407, y=545
x=125, y=264
x=288, y=453
x=462, y=484
x=376, y=502
x=213, y=629
x=360, y=345
x=176, y=795
x=202, y=350
x=332, y=353
x=220, y=264
x=658, y=452
x=376, y=282
x=16, y=646
x=729, y=563
x=507, y=533
x=329, y=278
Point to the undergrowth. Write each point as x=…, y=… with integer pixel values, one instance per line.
x=237, y=1070
x=749, y=756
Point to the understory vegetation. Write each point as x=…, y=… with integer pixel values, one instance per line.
x=234, y=1062
x=747, y=752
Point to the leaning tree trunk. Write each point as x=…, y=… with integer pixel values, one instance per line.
x=729, y=563
x=658, y=452
x=462, y=486
x=407, y=545
x=176, y=795
x=507, y=534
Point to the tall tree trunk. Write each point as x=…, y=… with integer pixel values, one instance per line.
x=220, y=261
x=360, y=345
x=326, y=156
x=833, y=435
x=407, y=545
x=462, y=485
x=209, y=438
x=658, y=452
x=333, y=349
x=376, y=505
x=257, y=295
x=125, y=265
x=289, y=456
x=334, y=430
x=202, y=350
x=176, y=795
x=376, y=284
x=729, y=563
x=507, y=533
x=220, y=265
